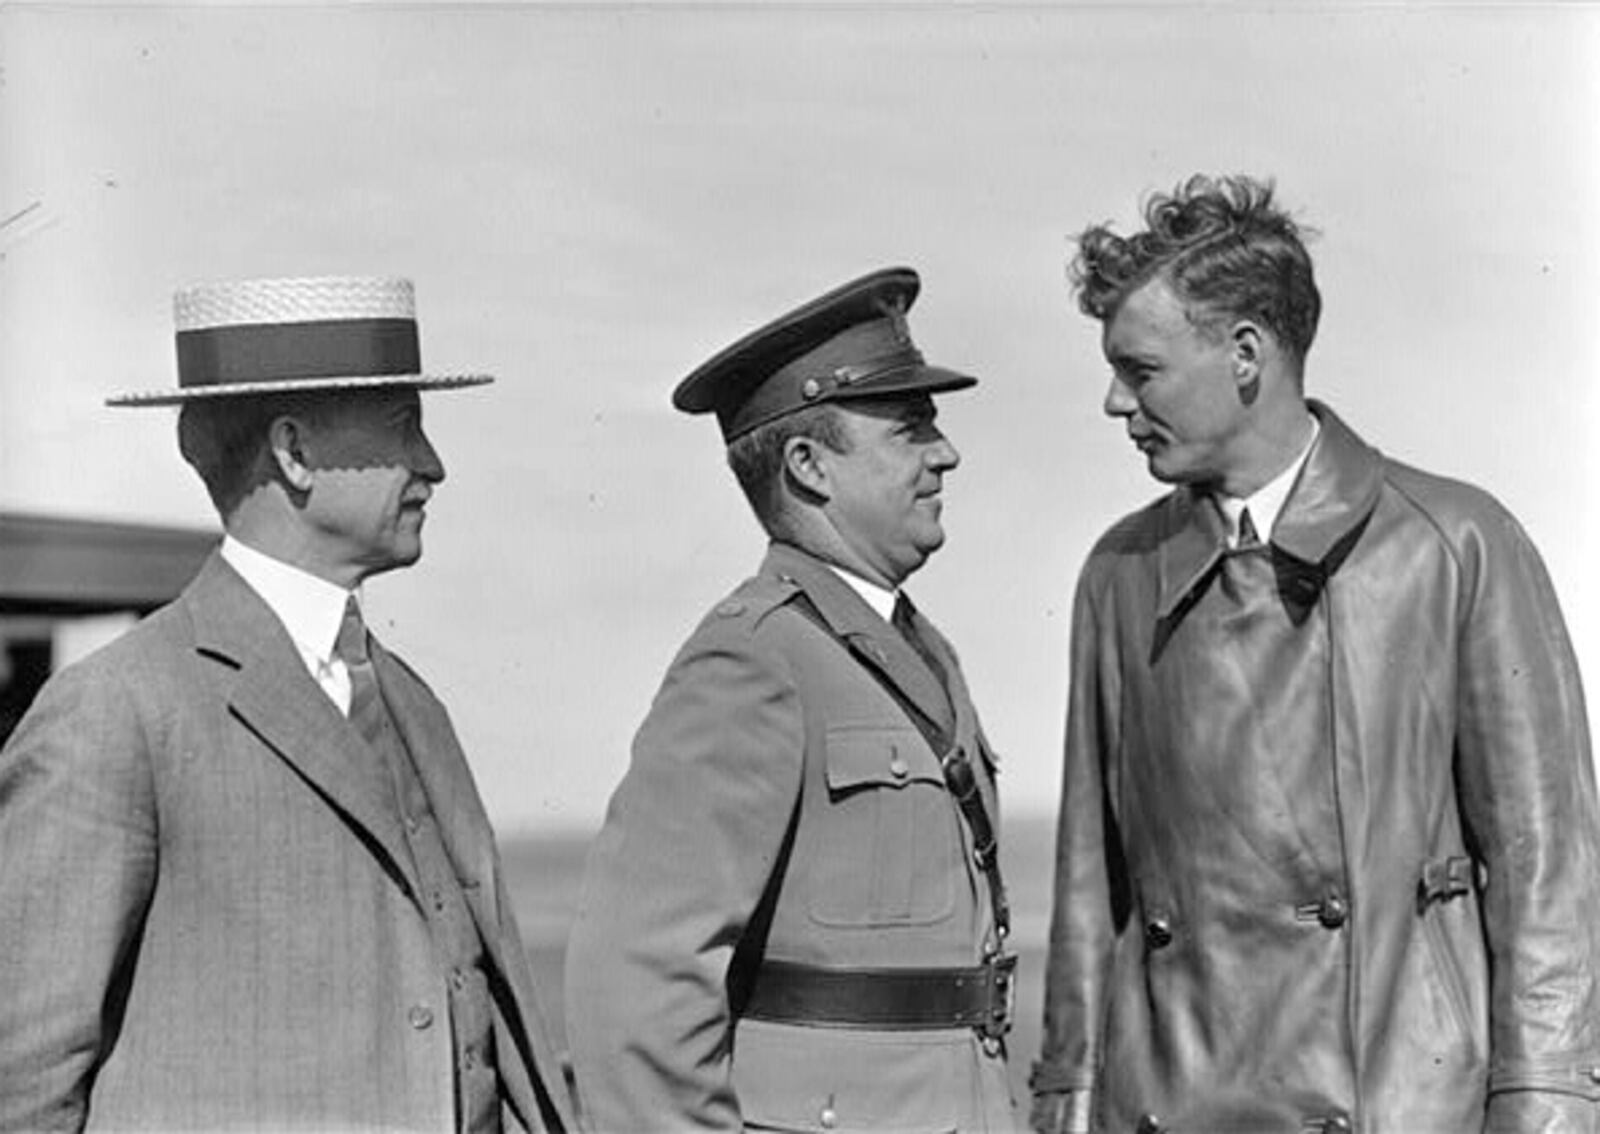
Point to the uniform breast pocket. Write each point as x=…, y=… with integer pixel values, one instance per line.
x=888, y=851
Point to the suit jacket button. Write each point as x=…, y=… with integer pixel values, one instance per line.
x=421, y=1016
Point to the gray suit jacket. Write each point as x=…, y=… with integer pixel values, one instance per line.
x=210, y=918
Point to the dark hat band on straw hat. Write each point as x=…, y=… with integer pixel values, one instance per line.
x=277, y=351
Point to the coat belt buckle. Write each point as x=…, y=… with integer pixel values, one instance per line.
x=1002, y=999
x=1444, y=879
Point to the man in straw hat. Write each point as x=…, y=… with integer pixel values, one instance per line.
x=247, y=879
x=802, y=851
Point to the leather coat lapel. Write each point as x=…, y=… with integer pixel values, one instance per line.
x=1325, y=512
x=872, y=640
x=275, y=698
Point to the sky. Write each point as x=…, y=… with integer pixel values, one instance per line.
x=593, y=199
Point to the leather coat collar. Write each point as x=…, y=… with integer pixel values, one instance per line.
x=1327, y=508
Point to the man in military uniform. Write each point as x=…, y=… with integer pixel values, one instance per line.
x=793, y=917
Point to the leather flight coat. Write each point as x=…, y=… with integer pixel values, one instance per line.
x=781, y=805
x=1329, y=854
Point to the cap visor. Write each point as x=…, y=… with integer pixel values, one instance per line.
x=910, y=380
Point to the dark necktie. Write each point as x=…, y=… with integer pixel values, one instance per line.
x=906, y=620
x=367, y=713
x=1247, y=571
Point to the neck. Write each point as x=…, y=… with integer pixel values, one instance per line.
x=269, y=524
x=1271, y=445
x=812, y=533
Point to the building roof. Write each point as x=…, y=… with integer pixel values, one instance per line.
x=52, y=564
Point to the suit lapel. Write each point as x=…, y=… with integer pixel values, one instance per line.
x=468, y=840
x=874, y=642
x=446, y=780
x=274, y=697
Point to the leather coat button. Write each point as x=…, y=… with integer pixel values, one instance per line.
x=1334, y=913
x=1158, y=931
x=1148, y=1124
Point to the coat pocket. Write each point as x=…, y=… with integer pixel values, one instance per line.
x=888, y=851
x=841, y=1080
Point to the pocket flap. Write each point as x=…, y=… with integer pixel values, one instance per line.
x=888, y=757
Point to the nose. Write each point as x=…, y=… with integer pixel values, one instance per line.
x=941, y=455
x=1119, y=400
x=425, y=462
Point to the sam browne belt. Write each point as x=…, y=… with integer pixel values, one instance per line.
x=886, y=999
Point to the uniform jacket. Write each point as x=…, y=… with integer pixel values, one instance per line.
x=780, y=802
x=1328, y=855
x=211, y=922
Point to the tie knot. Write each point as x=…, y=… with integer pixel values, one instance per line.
x=350, y=646
x=900, y=619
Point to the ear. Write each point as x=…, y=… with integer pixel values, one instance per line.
x=805, y=462
x=1248, y=346
x=287, y=437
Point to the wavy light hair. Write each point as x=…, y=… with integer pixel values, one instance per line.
x=1224, y=247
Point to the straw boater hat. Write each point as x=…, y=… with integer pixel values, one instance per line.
x=293, y=335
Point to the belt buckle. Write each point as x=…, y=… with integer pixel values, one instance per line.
x=1002, y=986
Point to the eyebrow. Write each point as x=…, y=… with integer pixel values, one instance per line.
x=1124, y=359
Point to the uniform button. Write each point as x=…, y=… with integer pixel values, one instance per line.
x=1158, y=932
x=829, y=1118
x=458, y=979
x=1148, y=1124
x=1594, y=1074
x=1338, y=1124
x=1334, y=912
x=421, y=1016
x=730, y=609
x=898, y=768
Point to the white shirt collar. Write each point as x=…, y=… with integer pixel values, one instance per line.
x=876, y=597
x=1266, y=502
x=309, y=608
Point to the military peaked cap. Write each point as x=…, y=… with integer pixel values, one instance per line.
x=850, y=343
